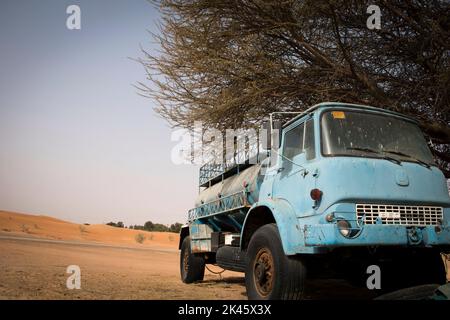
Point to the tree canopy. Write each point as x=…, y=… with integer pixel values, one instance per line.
x=228, y=63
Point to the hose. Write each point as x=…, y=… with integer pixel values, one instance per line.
x=214, y=272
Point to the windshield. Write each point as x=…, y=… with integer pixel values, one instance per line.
x=356, y=133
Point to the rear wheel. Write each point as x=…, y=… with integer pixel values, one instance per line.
x=270, y=274
x=192, y=267
x=423, y=292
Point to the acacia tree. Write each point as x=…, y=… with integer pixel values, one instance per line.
x=228, y=63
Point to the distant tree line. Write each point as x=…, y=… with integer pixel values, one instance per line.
x=150, y=226
x=116, y=224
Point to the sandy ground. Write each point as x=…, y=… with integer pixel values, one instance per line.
x=37, y=270
x=35, y=252
x=51, y=228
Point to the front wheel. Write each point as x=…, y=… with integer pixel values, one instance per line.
x=270, y=274
x=192, y=267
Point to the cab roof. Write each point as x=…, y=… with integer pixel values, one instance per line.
x=339, y=105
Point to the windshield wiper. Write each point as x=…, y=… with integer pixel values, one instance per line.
x=408, y=156
x=363, y=149
x=376, y=152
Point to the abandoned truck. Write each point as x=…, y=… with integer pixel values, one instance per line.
x=353, y=186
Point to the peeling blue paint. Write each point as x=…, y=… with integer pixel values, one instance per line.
x=346, y=181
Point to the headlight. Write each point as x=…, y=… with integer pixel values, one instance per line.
x=345, y=228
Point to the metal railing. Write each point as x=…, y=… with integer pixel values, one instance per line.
x=210, y=171
x=232, y=202
x=215, y=168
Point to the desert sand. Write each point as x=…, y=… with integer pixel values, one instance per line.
x=50, y=228
x=35, y=252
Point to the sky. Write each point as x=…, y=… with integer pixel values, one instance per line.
x=76, y=140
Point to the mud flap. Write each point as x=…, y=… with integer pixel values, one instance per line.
x=446, y=260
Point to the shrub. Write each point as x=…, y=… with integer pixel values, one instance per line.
x=140, y=238
x=83, y=229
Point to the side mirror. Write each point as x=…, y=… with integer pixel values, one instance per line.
x=272, y=134
x=276, y=134
x=267, y=135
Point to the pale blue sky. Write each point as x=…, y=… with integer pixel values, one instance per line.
x=76, y=141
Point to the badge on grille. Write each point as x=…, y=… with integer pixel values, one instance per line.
x=389, y=215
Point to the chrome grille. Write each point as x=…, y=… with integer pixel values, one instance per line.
x=399, y=214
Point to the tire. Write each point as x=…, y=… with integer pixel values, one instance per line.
x=423, y=292
x=192, y=267
x=270, y=274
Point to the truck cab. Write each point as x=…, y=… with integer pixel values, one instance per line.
x=346, y=186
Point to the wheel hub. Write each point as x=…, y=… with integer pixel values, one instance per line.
x=263, y=272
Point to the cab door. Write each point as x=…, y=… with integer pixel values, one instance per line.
x=295, y=176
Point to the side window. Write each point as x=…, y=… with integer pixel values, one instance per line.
x=297, y=140
x=293, y=142
x=309, y=145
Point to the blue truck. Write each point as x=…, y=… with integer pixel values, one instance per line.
x=352, y=186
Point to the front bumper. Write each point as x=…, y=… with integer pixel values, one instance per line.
x=328, y=235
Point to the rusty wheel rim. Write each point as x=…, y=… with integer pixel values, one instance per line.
x=263, y=272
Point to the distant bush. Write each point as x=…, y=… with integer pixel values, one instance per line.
x=176, y=227
x=150, y=226
x=158, y=227
x=117, y=225
x=140, y=238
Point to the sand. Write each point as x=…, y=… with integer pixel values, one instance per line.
x=50, y=228
x=35, y=252
x=37, y=270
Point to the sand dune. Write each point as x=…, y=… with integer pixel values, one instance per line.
x=37, y=270
x=18, y=224
x=117, y=268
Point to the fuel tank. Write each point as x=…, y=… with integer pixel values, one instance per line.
x=249, y=179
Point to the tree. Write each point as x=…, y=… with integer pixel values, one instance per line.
x=228, y=63
x=160, y=228
x=175, y=227
x=149, y=226
x=120, y=224
x=117, y=225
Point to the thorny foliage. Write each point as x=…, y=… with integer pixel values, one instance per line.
x=228, y=63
